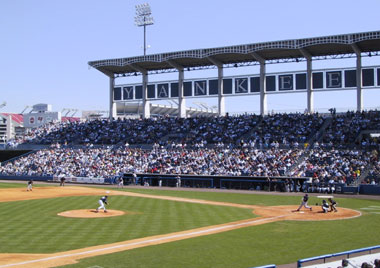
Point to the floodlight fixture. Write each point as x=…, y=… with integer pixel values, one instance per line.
x=143, y=18
x=143, y=9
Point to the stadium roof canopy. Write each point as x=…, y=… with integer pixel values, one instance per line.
x=324, y=47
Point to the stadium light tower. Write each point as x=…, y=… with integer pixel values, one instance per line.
x=143, y=18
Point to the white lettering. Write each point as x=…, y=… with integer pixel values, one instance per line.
x=128, y=93
x=334, y=79
x=200, y=88
x=286, y=82
x=163, y=91
x=241, y=86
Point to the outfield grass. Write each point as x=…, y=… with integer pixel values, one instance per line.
x=32, y=226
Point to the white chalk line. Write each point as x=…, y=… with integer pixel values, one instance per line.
x=191, y=234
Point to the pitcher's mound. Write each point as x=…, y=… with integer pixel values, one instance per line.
x=91, y=213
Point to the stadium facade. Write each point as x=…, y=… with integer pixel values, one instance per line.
x=355, y=45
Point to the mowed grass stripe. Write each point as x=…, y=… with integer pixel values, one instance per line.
x=36, y=227
x=248, y=198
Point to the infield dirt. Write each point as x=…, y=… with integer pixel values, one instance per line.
x=266, y=215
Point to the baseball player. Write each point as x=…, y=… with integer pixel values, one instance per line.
x=30, y=186
x=102, y=202
x=325, y=206
x=305, y=198
x=62, y=181
x=134, y=179
x=121, y=183
x=333, y=204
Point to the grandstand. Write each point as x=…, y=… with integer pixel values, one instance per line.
x=299, y=152
x=245, y=150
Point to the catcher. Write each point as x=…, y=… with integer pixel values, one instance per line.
x=102, y=202
x=333, y=205
x=325, y=206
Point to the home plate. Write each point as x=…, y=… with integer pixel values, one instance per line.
x=302, y=212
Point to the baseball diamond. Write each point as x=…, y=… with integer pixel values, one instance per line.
x=264, y=215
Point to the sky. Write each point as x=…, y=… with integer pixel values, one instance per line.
x=45, y=45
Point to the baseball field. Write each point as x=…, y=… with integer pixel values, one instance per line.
x=54, y=226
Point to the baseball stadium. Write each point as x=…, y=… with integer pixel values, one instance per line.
x=152, y=185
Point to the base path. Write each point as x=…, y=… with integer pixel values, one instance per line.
x=267, y=214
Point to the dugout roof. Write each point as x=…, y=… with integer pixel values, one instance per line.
x=272, y=52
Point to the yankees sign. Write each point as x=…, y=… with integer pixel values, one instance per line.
x=328, y=79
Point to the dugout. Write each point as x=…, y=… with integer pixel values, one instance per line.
x=6, y=155
x=280, y=184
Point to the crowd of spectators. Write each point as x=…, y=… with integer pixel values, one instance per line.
x=283, y=129
x=227, y=129
x=286, y=129
x=333, y=166
x=324, y=167
x=103, y=131
x=245, y=145
x=143, y=131
x=345, y=128
x=111, y=162
x=373, y=176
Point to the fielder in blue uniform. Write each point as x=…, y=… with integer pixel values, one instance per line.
x=325, y=206
x=102, y=202
x=333, y=204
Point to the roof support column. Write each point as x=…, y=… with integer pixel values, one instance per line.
x=263, y=86
x=309, y=80
x=221, y=98
x=112, y=104
x=146, y=102
x=263, y=90
x=181, y=99
x=359, y=91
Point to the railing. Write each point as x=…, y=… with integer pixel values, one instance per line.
x=347, y=253
x=266, y=266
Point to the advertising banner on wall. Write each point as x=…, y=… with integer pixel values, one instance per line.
x=79, y=179
x=33, y=120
